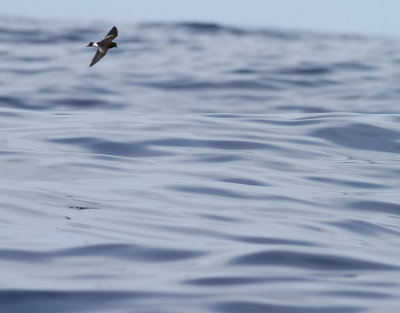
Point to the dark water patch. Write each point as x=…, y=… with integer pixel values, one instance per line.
x=214, y=29
x=313, y=83
x=217, y=158
x=376, y=206
x=225, y=115
x=114, y=148
x=5, y=53
x=10, y=101
x=100, y=167
x=98, y=91
x=213, y=144
x=362, y=136
x=256, y=307
x=345, y=183
x=239, y=97
x=18, y=33
x=35, y=71
x=81, y=103
x=306, y=69
x=210, y=191
x=278, y=34
x=364, y=228
x=21, y=256
x=79, y=204
x=233, y=194
x=353, y=66
x=199, y=28
x=272, y=241
x=354, y=294
x=243, y=181
x=132, y=253
x=50, y=89
x=291, y=122
x=9, y=114
x=301, y=109
x=20, y=103
x=76, y=35
x=32, y=59
x=50, y=301
x=9, y=153
x=42, y=37
x=323, y=118
x=220, y=218
x=204, y=27
x=245, y=71
x=309, y=261
x=238, y=281
x=79, y=207
x=192, y=84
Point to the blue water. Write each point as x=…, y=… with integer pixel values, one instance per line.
x=198, y=168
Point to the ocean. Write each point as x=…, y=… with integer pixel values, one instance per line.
x=198, y=168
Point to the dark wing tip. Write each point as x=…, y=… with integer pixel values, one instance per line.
x=97, y=57
x=113, y=32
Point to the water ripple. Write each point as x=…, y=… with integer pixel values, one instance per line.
x=254, y=307
x=362, y=136
x=310, y=260
x=117, y=251
x=107, y=147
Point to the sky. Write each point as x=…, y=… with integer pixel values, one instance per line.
x=371, y=17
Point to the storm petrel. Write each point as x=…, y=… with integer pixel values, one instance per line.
x=103, y=45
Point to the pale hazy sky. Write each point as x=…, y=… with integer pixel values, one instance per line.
x=375, y=17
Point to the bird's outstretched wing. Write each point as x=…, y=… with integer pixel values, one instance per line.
x=99, y=54
x=112, y=34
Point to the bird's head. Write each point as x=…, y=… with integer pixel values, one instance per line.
x=112, y=45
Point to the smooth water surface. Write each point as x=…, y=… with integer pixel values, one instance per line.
x=198, y=168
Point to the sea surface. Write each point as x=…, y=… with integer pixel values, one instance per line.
x=198, y=168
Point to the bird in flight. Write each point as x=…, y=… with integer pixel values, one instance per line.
x=103, y=45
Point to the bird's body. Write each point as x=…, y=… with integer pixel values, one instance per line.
x=103, y=45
